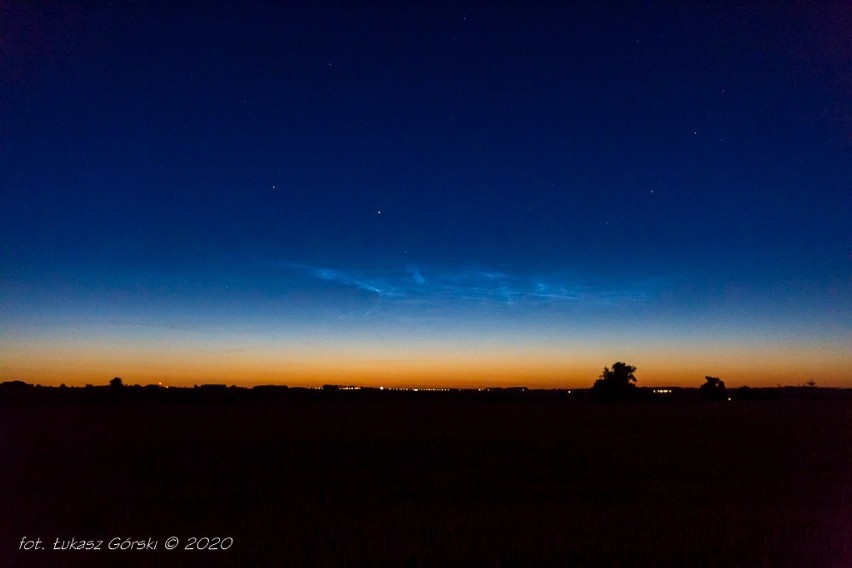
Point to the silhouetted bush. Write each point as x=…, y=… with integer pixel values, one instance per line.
x=616, y=383
x=713, y=389
x=15, y=385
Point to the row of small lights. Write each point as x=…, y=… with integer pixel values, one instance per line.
x=421, y=389
x=417, y=389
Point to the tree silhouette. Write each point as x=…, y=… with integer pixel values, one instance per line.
x=713, y=389
x=618, y=382
x=116, y=383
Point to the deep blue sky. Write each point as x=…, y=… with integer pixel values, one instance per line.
x=299, y=171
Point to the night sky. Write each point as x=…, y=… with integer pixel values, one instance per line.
x=395, y=194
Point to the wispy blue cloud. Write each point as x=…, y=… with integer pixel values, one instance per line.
x=432, y=286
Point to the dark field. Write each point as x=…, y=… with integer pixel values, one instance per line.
x=433, y=481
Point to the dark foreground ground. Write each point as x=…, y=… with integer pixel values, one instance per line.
x=432, y=481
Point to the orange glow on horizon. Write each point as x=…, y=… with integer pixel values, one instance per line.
x=532, y=370
x=551, y=363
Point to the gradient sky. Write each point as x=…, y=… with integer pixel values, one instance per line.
x=424, y=194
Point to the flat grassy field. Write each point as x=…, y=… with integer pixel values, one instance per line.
x=432, y=481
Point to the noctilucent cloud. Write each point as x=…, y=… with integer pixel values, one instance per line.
x=425, y=194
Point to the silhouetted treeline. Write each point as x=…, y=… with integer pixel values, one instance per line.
x=20, y=392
